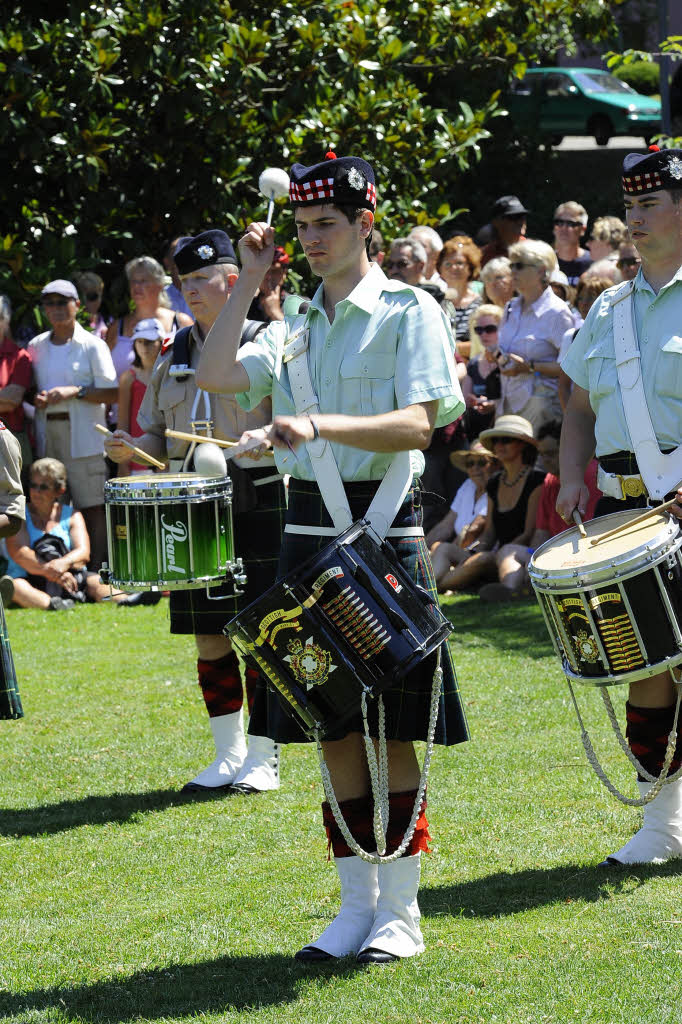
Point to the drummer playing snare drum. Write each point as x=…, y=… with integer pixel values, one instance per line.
x=596, y=415
x=381, y=361
x=208, y=271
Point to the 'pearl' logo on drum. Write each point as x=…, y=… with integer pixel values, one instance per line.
x=172, y=533
x=392, y=582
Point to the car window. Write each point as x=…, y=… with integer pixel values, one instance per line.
x=524, y=87
x=599, y=81
x=558, y=85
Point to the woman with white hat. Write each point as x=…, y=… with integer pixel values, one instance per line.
x=449, y=539
x=513, y=495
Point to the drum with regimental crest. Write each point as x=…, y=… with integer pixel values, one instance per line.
x=613, y=607
x=348, y=622
x=170, y=532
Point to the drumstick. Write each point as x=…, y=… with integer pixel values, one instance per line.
x=183, y=436
x=138, y=451
x=635, y=522
x=577, y=519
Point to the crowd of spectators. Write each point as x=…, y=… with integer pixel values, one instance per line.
x=514, y=304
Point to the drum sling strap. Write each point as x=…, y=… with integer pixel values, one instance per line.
x=660, y=472
x=381, y=513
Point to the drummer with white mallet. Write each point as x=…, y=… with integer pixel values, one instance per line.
x=208, y=271
x=380, y=355
x=626, y=364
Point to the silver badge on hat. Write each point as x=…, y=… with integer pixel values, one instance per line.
x=356, y=179
x=675, y=167
x=205, y=252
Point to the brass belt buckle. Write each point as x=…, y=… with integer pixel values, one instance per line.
x=631, y=486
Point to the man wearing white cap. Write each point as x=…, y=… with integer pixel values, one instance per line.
x=75, y=379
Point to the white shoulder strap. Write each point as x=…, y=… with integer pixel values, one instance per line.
x=661, y=473
x=393, y=487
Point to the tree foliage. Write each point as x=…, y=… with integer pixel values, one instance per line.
x=129, y=121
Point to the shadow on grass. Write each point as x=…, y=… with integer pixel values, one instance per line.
x=92, y=810
x=514, y=627
x=514, y=892
x=213, y=986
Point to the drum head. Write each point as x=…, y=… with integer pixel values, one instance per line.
x=569, y=556
x=159, y=487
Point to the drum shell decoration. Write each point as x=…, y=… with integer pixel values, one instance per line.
x=171, y=531
x=349, y=620
x=613, y=609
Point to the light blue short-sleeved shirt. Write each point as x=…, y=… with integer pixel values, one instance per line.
x=390, y=346
x=591, y=363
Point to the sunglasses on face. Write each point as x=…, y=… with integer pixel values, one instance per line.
x=477, y=463
x=40, y=487
x=628, y=261
x=485, y=329
x=504, y=440
x=560, y=222
x=93, y=296
x=520, y=266
x=454, y=263
x=46, y=303
x=397, y=263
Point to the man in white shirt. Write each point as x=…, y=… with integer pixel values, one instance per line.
x=75, y=378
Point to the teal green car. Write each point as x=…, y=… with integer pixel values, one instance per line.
x=580, y=101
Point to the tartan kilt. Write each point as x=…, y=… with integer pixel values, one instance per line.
x=10, y=701
x=257, y=540
x=407, y=702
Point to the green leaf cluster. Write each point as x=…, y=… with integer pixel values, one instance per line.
x=128, y=121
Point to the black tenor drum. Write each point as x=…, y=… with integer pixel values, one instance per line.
x=613, y=608
x=348, y=621
x=10, y=701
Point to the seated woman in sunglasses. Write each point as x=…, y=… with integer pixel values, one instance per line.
x=481, y=386
x=513, y=498
x=449, y=539
x=47, y=557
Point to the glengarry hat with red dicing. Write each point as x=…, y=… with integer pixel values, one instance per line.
x=342, y=181
x=649, y=172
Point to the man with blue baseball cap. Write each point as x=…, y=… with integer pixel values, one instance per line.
x=380, y=354
x=626, y=364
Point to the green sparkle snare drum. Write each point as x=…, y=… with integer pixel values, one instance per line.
x=170, y=531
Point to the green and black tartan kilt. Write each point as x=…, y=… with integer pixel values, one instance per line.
x=407, y=703
x=258, y=525
x=10, y=701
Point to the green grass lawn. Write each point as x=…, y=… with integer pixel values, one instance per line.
x=123, y=902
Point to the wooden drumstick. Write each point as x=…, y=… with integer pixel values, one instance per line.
x=635, y=522
x=183, y=436
x=138, y=451
x=577, y=519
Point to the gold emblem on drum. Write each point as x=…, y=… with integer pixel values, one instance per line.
x=586, y=646
x=310, y=663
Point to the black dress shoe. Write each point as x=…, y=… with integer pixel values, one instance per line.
x=375, y=956
x=610, y=862
x=312, y=955
x=244, y=788
x=196, y=787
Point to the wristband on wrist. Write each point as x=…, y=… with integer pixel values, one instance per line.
x=82, y=392
x=316, y=432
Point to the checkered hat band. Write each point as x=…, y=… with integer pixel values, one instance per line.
x=311, y=191
x=641, y=182
x=371, y=196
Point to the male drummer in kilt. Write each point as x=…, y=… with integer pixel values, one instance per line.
x=381, y=358
x=207, y=267
x=652, y=192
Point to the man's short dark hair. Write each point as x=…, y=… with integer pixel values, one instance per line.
x=351, y=213
x=550, y=429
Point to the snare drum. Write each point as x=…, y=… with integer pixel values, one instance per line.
x=169, y=531
x=613, y=609
x=348, y=621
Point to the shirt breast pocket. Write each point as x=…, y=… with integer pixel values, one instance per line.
x=368, y=384
x=602, y=375
x=669, y=369
x=80, y=369
x=171, y=403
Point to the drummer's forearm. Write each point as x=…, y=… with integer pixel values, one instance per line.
x=219, y=369
x=577, y=437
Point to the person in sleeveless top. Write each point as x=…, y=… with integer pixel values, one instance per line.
x=595, y=418
x=147, y=339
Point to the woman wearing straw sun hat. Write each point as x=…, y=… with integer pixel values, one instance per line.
x=449, y=539
x=514, y=494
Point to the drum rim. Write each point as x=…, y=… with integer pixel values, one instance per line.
x=667, y=541
x=645, y=672
x=195, y=487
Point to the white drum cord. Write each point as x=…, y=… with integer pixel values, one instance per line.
x=658, y=782
x=206, y=423
x=378, y=771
